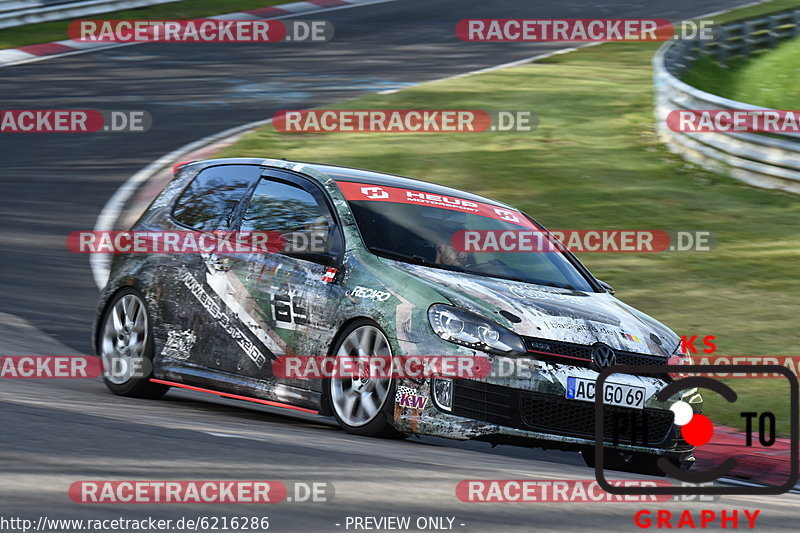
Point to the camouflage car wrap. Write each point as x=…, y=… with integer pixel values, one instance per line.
x=221, y=322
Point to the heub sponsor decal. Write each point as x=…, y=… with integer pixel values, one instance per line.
x=365, y=293
x=358, y=192
x=374, y=193
x=419, y=197
x=408, y=397
x=506, y=215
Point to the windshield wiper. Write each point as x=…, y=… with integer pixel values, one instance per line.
x=415, y=259
x=418, y=259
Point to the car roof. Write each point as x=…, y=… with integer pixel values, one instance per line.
x=371, y=177
x=357, y=175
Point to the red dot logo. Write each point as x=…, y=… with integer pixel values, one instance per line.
x=696, y=429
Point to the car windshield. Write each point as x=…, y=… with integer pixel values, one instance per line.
x=429, y=229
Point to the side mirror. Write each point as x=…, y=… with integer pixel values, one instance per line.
x=606, y=287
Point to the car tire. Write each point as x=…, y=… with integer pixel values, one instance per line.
x=363, y=406
x=125, y=338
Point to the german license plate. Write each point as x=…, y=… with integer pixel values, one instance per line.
x=614, y=393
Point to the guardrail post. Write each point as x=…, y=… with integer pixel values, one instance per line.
x=747, y=38
x=772, y=36
x=796, y=21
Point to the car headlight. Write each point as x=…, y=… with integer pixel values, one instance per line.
x=680, y=357
x=468, y=329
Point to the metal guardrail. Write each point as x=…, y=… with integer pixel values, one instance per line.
x=771, y=161
x=21, y=12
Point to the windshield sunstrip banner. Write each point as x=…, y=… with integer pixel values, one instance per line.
x=380, y=193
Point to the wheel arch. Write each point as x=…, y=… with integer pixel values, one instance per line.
x=103, y=308
x=325, y=401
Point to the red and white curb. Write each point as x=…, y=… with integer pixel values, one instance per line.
x=39, y=52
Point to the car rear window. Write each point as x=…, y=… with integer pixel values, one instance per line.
x=209, y=201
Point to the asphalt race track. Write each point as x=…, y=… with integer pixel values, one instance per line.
x=54, y=432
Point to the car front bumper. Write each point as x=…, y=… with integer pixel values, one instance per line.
x=532, y=410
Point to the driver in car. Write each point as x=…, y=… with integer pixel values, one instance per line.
x=446, y=254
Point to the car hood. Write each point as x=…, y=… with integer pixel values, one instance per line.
x=549, y=313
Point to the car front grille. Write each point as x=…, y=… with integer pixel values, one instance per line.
x=546, y=413
x=569, y=353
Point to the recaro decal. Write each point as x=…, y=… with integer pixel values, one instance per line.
x=366, y=293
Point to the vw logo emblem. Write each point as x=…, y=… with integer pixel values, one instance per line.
x=603, y=356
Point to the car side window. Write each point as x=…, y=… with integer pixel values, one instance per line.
x=209, y=202
x=300, y=217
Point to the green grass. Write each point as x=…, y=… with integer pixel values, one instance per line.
x=57, y=30
x=770, y=79
x=595, y=162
